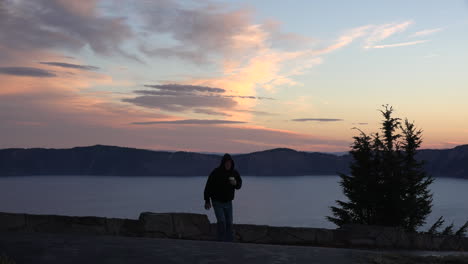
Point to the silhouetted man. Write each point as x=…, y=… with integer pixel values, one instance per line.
x=220, y=188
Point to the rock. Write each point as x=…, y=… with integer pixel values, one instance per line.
x=157, y=225
x=464, y=244
x=175, y=225
x=304, y=236
x=131, y=227
x=114, y=226
x=12, y=222
x=35, y=223
x=451, y=243
x=436, y=242
x=324, y=236
x=375, y=236
x=291, y=235
x=421, y=241
x=66, y=224
x=190, y=226
x=251, y=233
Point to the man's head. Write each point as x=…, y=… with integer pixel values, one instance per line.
x=227, y=163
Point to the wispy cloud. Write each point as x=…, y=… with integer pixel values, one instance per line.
x=410, y=43
x=183, y=97
x=182, y=102
x=70, y=65
x=26, y=71
x=186, y=88
x=254, y=112
x=317, y=119
x=191, y=122
x=209, y=112
x=426, y=32
x=346, y=39
x=382, y=32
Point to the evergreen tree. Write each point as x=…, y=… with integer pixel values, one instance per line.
x=387, y=184
x=360, y=189
x=417, y=200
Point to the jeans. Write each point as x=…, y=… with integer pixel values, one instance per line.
x=223, y=212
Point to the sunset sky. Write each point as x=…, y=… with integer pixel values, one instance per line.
x=229, y=76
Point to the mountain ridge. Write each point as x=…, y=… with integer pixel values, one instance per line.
x=126, y=161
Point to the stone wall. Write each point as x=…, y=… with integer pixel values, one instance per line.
x=198, y=227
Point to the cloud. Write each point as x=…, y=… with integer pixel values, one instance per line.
x=426, y=32
x=63, y=120
x=249, y=97
x=71, y=25
x=209, y=112
x=181, y=103
x=254, y=112
x=72, y=66
x=411, y=43
x=317, y=119
x=183, y=97
x=186, y=88
x=175, y=52
x=383, y=32
x=200, y=31
x=191, y=122
x=346, y=39
x=26, y=71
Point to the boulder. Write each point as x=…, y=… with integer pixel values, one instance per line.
x=190, y=226
x=464, y=244
x=324, y=236
x=175, y=225
x=131, y=227
x=66, y=224
x=421, y=241
x=114, y=226
x=375, y=236
x=251, y=233
x=157, y=224
x=12, y=222
x=304, y=236
x=291, y=235
x=452, y=243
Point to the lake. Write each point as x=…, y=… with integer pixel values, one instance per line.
x=279, y=201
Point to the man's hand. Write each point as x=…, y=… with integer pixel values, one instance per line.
x=207, y=205
x=232, y=181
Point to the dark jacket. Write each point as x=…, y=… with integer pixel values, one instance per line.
x=218, y=186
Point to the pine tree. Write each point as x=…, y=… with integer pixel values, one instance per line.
x=417, y=200
x=359, y=189
x=387, y=185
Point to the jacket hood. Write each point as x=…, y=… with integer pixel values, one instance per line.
x=226, y=157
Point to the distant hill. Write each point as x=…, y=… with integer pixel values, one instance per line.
x=120, y=161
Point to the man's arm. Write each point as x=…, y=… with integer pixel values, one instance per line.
x=208, y=187
x=238, y=181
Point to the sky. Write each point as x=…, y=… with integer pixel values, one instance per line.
x=229, y=76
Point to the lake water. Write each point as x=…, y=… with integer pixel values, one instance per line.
x=278, y=201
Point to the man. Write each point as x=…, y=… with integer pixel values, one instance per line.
x=220, y=188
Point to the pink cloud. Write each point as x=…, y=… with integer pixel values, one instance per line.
x=426, y=32
x=410, y=43
x=383, y=32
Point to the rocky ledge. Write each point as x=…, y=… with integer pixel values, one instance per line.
x=197, y=227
